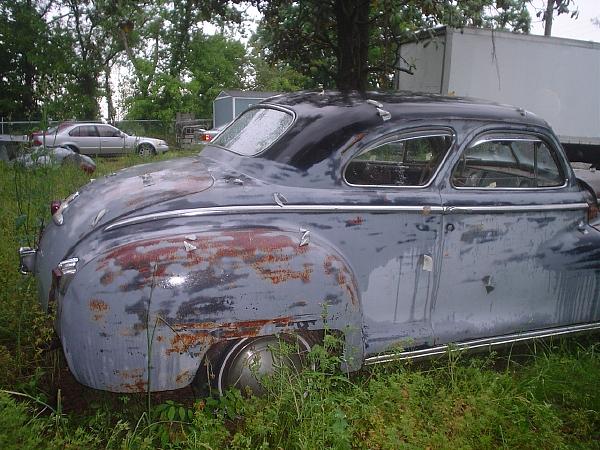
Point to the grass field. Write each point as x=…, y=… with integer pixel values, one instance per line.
x=542, y=396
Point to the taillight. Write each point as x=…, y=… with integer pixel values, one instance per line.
x=206, y=137
x=54, y=205
x=37, y=142
x=593, y=212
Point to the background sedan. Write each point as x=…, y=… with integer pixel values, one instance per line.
x=97, y=139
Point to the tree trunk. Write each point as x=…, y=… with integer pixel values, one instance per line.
x=108, y=93
x=353, y=44
x=548, y=15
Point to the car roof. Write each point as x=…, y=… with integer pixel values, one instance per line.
x=406, y=105
x=326, y=120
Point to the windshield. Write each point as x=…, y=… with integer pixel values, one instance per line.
x=254, y=131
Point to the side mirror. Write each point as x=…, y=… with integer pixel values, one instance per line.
x=123, y=135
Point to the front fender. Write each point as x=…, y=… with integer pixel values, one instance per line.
x=143, y=314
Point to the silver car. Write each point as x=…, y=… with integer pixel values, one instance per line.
x=98, y=139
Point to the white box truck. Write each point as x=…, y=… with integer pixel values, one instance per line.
x=557, y=79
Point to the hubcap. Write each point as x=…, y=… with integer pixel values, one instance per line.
x=251, y=359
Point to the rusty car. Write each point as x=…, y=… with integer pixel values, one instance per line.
x=393, y=220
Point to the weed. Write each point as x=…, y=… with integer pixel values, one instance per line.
x=542, y=396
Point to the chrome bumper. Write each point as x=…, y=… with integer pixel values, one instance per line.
x=27, y=257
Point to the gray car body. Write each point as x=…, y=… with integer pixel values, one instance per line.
x=180, y=257
x=120, y=143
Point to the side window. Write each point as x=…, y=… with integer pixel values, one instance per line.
x=408, y=161
x=75, y=132
x=106, y=131
x=508, y=162
x=88, y=131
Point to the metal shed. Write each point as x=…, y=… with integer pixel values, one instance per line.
x=230, y=104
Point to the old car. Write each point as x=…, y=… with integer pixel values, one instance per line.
x=97, y=139
x=56, y=156
x=393, y=220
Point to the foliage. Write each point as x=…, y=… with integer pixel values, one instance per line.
x=354, y=44
x=532, y=397
x=176, y=67
x=35, y=61
x=214, y=63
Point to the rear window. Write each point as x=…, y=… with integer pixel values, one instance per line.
x=254, y=131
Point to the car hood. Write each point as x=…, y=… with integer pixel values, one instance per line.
x=132, y=190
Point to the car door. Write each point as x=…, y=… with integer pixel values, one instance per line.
x=86, y=138
x=395, y=245
x=111, y=141
x=516, y=253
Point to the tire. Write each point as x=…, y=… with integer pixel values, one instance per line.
x=146, y=150
x=247, y=360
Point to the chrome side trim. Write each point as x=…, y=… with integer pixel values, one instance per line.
x=511, y=208
x=483, y=343
x=328, y=209
x=257, y=209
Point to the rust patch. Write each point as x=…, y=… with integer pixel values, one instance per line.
x=182, y=377
x=183, y=342
x=335, y=267
x=133, y=380
x=98, y=308
x=426, y=210
x=282, y=275
x=210, y=332
x=98, y=305
x=137, y=386
x=354, y=221
x=107, y=278
x=269, y=253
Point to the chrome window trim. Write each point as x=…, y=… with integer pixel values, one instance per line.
x=260, y=106
x=498, y=137
x=492, y=136
x=400, y=136
x=482, y=343
x=329, y=209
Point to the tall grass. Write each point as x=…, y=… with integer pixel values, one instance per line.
x=534, y=397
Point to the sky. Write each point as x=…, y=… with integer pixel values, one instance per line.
x=563, y=26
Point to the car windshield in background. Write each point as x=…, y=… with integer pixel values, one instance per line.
x=254, y=131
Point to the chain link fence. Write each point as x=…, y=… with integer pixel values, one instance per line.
x=170, y=131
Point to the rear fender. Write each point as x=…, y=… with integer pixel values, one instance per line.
x=174, y=297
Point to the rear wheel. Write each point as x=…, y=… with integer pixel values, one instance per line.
x=248, y=360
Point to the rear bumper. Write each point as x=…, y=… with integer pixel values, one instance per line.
x=27, y=256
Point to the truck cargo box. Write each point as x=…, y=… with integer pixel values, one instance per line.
x=557, y=79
